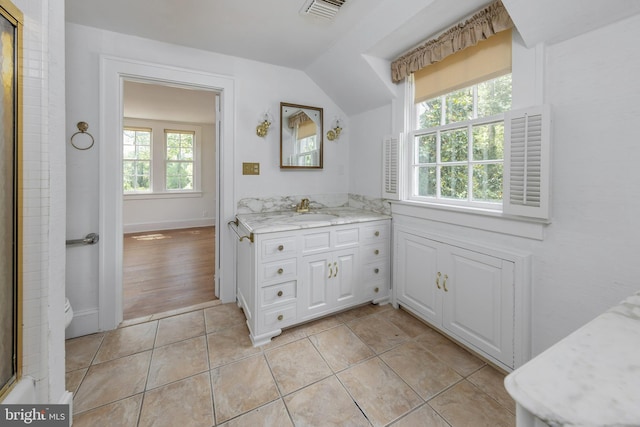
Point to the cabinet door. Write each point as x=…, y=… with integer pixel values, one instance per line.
x=415, y=275
x=315, y=295
x=344, y=282
x=478, y=300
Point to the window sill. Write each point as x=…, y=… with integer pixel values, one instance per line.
x=163, y=195
x=481, y=219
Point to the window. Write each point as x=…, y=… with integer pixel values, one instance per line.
x=307, y=151
x=457, y=145
x=456, y=142
x=179, y=160
x=160, y=159
x=136, y=160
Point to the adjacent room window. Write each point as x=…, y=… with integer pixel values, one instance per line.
x=160, y=159
x=457, y=147
x=179, y=163
x=136, y=160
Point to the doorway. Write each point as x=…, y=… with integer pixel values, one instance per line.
x=169, y=189
x=114, y=72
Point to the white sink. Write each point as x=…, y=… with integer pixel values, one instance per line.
x=310, y=217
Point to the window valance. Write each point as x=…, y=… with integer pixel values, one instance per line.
x=297, y=119
x=484, y=24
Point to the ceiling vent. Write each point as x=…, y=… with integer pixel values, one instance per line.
x=325, y=9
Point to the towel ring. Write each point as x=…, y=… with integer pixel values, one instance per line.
x=82, y=129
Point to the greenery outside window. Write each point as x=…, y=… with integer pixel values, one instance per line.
x=136, y=160
x=179, y=171
x=457, y=146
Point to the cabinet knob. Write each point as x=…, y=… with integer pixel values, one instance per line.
x=281, y=248
x=279, y=293
x=376, y=270
x=280, y=271
x=377, y=233
x=444, y=284
x=438, y=280
x=280, y=317
x=376, y=290
x=376, y=252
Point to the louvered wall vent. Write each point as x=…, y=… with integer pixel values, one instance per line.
x=325, y=9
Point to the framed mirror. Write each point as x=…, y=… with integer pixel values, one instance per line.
x=300, y=136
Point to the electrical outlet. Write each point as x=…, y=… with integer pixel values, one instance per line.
x=250, y=168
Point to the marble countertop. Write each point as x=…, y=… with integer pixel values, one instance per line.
x=270, y=222
x=591, y=377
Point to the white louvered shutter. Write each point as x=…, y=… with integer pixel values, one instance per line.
x=391, y=168
x=527, y=160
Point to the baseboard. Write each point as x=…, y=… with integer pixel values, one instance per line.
x=84, y=322
x=168, y=225
x=23, y=392
x=67, y=399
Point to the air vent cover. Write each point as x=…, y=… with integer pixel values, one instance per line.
x=325, y=9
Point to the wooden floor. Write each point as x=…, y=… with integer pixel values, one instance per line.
x=166, y=270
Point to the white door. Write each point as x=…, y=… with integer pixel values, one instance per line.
x=344, y=282
x=416, y=279
x=315, y=294
x=478, y=300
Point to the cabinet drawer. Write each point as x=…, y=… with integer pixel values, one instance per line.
x=283, y=247
x=280, y=317
x=376, y=232
x=281, y=269
x=375, y=252
x=279, y=293
x=376, y=291
x=316, y=241
x=347, y=237
x=375, y=272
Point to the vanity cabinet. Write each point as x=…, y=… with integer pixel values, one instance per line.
x=465, y=293
x=290, y=277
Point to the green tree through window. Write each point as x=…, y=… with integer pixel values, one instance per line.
x=136, y=160
x=458, y=144
x=179, y=160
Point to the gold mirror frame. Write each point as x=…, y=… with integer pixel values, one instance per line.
x=296, y=118
x=11, y=22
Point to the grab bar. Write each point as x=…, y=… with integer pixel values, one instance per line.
x=235, y=230
x=89, y=239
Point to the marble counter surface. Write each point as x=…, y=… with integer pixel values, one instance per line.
x=269, y=222
x=590, y=378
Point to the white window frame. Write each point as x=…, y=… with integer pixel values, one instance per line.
x=193, y=161
x=141, y=129
x=413, y=134
x=158, y=158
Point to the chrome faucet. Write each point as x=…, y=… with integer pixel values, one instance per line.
x=303, y=206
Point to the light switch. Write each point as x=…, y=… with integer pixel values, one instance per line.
x=250, y=168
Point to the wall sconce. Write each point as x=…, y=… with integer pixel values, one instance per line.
x=263, y=128
x=335, y=132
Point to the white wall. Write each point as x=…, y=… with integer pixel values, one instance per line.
x=164, y=211
x=258, y=87
x=588, y=259
x=366, y=131
x=43, y=203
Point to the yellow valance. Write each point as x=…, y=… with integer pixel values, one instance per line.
x=488, y=59
x=484, y=24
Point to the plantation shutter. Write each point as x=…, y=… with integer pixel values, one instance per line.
x=527, y=162
x=391, y=168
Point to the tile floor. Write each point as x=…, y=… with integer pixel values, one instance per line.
x=370, y=366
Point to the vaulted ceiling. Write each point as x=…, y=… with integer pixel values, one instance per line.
x=347, y=57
